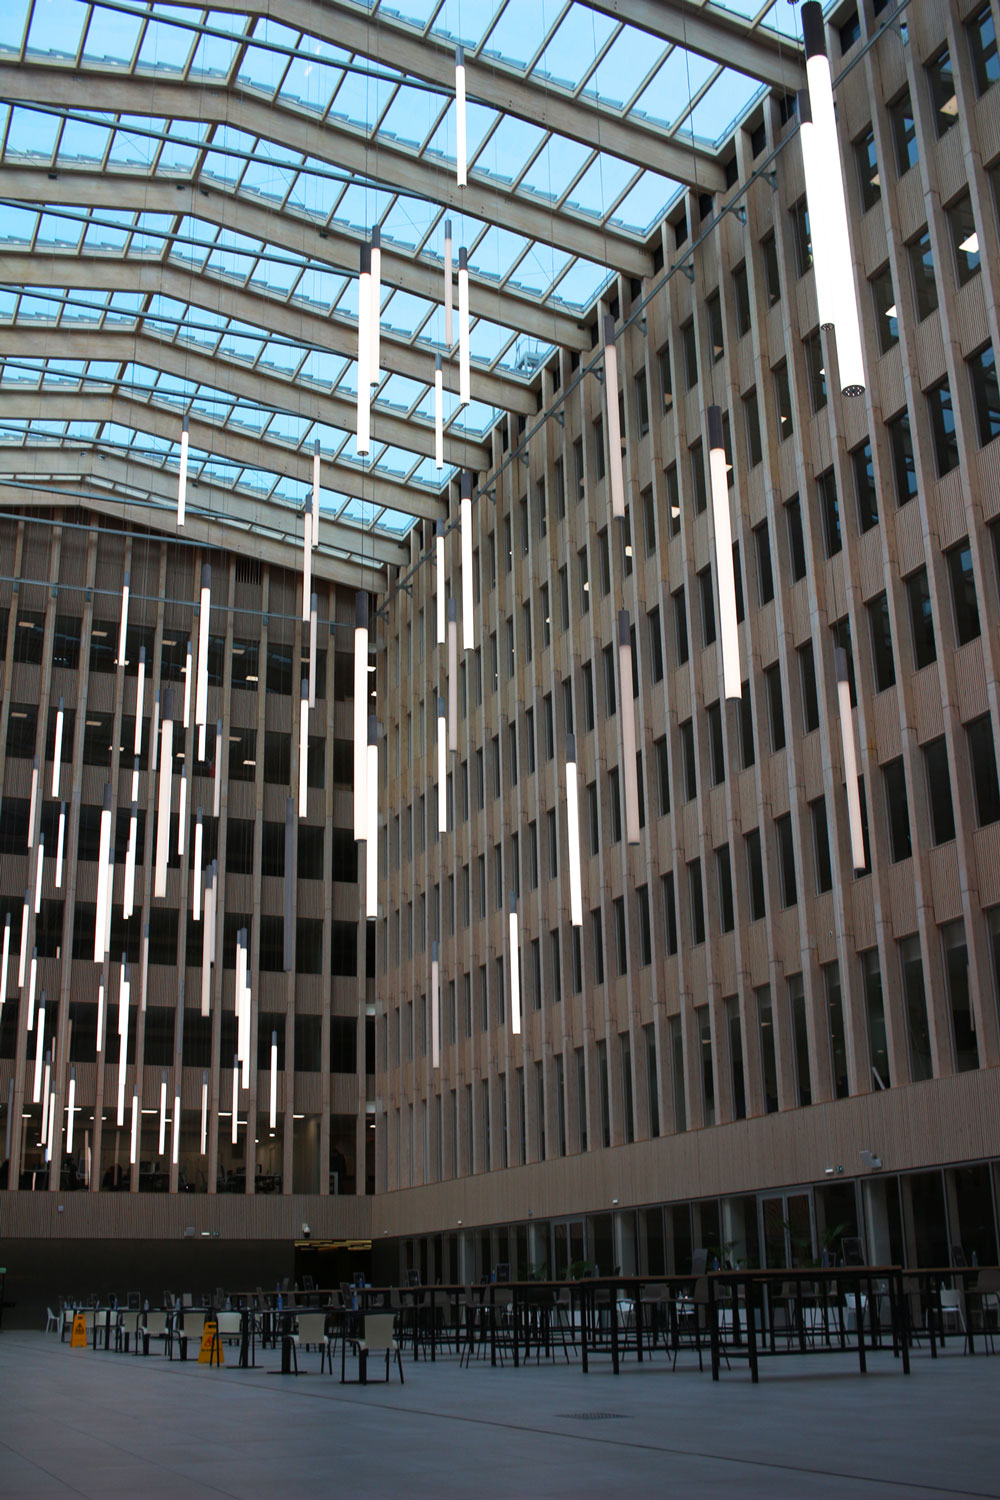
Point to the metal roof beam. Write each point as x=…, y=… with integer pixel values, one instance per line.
x=395, y=45
x=716, y=33
x=326, y=140
x=216, y=294
x=293, y=233
x=243, y=382
x=236, y=447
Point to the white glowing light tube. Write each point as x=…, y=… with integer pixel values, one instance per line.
x=452, y=677
x=163, y=807
x=515, y=968
x=438, y=414
x=724, y=575
x=128, y=893
x=208, y=942
x=360, y=711
x=46, y=1101
x=374, y=373
x=464, y=378
x=100, y=1017
x=272, y=1118
x=304, y=750
x=39, y=870
x=163, y=1113
x=201, y=689
x=199, y=835
x=217, y=786
x=103, y=891
x=187, y=686
x=307, y=547
x=315, y=491
x=22, y=958
x=182, y=811
x=124, y=990
x=144, y=974
x=313, y=629
x=364, y=423
x=449, y=282
x=133, y=1149
x=4, y=962
x=140, y=700
x=33, y=803
x=573, y=833
x=826, y=191
x=70, y=1111
x=465, y=524
x=154, y=737
x=36, y=1092
x=123, y=623
x=628, y=729
x=236, y=1097
x=60, y=846
x=442, y=768
x=182, y=475
x=461, y=139
x=850, y=759
x=435, y=1008
x=57, y=749
x=371, y=844
x=439, y=580
x=175, y=1127
x=204, y=1112
x=616, y=468
x=32, y=985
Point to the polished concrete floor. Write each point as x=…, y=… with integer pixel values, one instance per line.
x=79, y=1423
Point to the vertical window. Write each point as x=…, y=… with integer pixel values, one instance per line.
x=680, y=627
x=741, y=297
x=751, y=418
x=724, y=877
x=981, y=31
x=983, y=762
x=584, y=576
x=645, y=929
x=697, y=902
x=655, y=645
x=560, y=482
x=772, y=281
x=796, y=540
x=662, y=775
x=578, y=470
x=677, y=1070
x=882, y=659
x=715, y=743
x=956, y=969
x=642, y=403
x=610, y=702
x=755, y=875
x=652, y=1081
x=686, y=731
x=829, y=506
x=921, y=619
x=666, y=379
x=669, y=913
x=866, y=162
x=943, y=97
x=604, y=561
x=705, y=1063
x=786, y=859
x=800, y=230
x=904, y=469
x=915, y=1002
x=597, y=934
x=776, y=707
x=782, y=400
x=835, y=1018
x=985, y=393
x=886, y=311
x=864, y=486
x=768, y=1051
x=964, y=238
x=747, y=749
x=922, y=271
x=548, y=726
x=649, y=520
x=598, y=431
x=615, y=805
x=697, y=462
x=690, y=349
x=904, y=132
x=878, y=1048
x=821, y=845
x=765, y=574
x=715, y=335
x=707, y=595
x=621, y=936
x=939, y=790
x=800, y=1039
x=807, y=680
x=594, y=818
x=673, y=499
x=963, y=592
x=897, y=809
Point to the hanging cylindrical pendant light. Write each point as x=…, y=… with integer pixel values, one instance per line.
x=32, y=986
x=207, y=942
x=22, y=957
x=109, y=903
x=217, y=786
x=371, y=843
x=629, y=777
x=452, y=678
x=236, y=1098
x=188, y=674
x=182, y=475
x=175, y=1127
x=4, y=963
x=438, y=413
x=826, y=196
x=304, y=749
x=182, y=811
x=461, y=141
x=154, y=735
x=616, y=468
x=133, y=1149
x=204, y=1111
x=449, y=283
x=46, y=1112
x=464, y=378
x=439, y=589
x=60, y=846
x=39, y=870
x=199, y=835
x=103, y=892
x=128, y=892
x=375, y=371
x=245, y=1011
x=573, y=833
x=140, y=700
x=201, y=690
x=850, y=759
x=442, y=767
x=272, y=1118
x=514, y=966
x=123, y=623
x=360, y=711
x=435, y=1007
x=465, y=528
x=36, y=1092
x=99, y=1048
x=315, y=491
x=70, y=1111
x=57, y=749
x=732, y=675
x=307, y=526
x=313, y=631
x=33, y=803
x=163, y=1113
x=364, y=423
x=163, y=801
x=144, y=968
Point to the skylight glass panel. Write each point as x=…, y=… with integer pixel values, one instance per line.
x=101, y=235
x=249, y=416
x=323, y=368
x=509, y=148
x=267, y=178
x=274, y=275
x=605, y=178
x=479, y=121
x=623, y=67
x=575, y=43
x=311, y=82
x=278, y=355
x=37, y=307
x=124, y=306
x=643, y=204
x=783, y=17
x=667, y=96
x=361, y=206
x=406, y=312
x=176, y=155
x=135, y=140
x=8, y=302
x=112, y=37
x=360, y=100
x=537, y=270
x=476, y=418
x=408, y=221
x=82, y=141
x=316, y=195
x=13, y=19
x=213, y=57
x=411, y=116
x=456, y=21
x=166, y=48
x=726, y=99
x=400, y=392
x=17, y=223
x=285, y=427
x=518, y=34
x=31, y=133
x=555, y=166
x=56, y=28
x=318, y=287
x=242, y=347
x=496, y=252
x=581, y=283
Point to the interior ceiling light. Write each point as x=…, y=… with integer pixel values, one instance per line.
x=722, y=528
x=827, y=203
x=364, y=420
x=461, y=147
x=439, y=580
x=438, y=414
x=435, y=1007
x=371, y=846
x=465, y=524
x=182, y=474
x=850, y=759
x=615, y=466
x=970, y=245
x=60, y=846
x=442, y=768
x=449, y=280
x=515, y=967
x=628, y=728
x=464, y=389
x=573, y=833
x=360, y=711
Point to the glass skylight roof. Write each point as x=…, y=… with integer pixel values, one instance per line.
x=327, y=138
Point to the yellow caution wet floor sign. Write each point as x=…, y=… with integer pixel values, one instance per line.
x=78, y=1338
x=210, y=1352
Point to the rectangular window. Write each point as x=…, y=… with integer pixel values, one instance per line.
x=821, y=845
x=715, y=335
x=751, y=419
x=884, y=667
x=963, y=592
x=963, y=1022
x=696, y=459
x=886, y=311
x=772, y=281
x=964, y=238
x=715, y=742
x=615, y=805
x=807, y=680
x=673, y=499
x=835, y=1017
x=768, y=1050
x=786, y=859
x=866, y=161
x=765, y=575
x=942, y=415
x=921, y=619
x=741, y=298
x=594, y=818
x=915, y=1002
x=829, y=507
x=904, y=469
x=655, y=646
x=697, y=899
x=921, y=259
x=878, y=1050
x=641, y=403
x=690, y=350
x=666, y=379
x=782, y=400
x=799, y=214
x=645, y=930
x=800, y=1039
x=707, y=596
x=983, y=764
x=583, y=573
x=597, y=934
x=981, y=31
x=985, y=393
x=942, y=86
x=724, y=877
x=939, y=790
x=776, y=707
x=755, y=875
x=748, y=752
x=610, y=702
x=864, y=486
x=662, y=776
x=588, y=697
x=686, y=731
x=897, y=809
x=669, y=913
x=796, y=540
x=621, y=936
x=904, y=133
x=812, y=347
x=680, y=627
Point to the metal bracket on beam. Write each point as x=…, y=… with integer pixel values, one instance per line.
x=771, y=176
x=688, y=270
x=598, y=372
x=739, y=211
x=560, y=417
